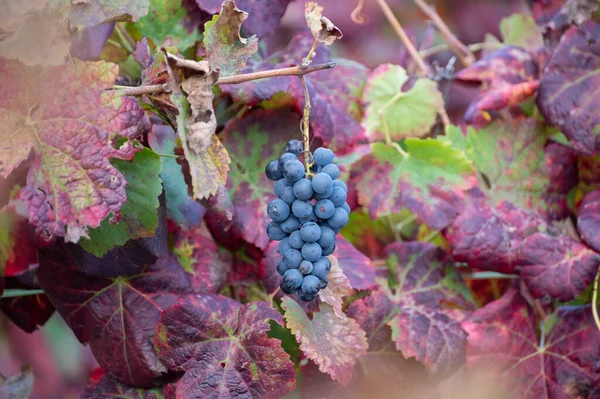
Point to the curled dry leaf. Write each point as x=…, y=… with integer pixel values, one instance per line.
x=321, y=27
x=226, y=49
x=191, y=83
x=339, y=286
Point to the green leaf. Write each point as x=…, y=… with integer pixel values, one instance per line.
x=429, y=179
x=225, y=48
x=402, y=114
x=521, y=30
x=165, y=19
x=139, y=216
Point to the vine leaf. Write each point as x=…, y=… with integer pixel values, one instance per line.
x=320, y=26
x=18, y=386
x=226, y=49
x=18, y=242
x=199, y=256
x=109, y=386
x=503, y=342
x=165, y=19
x=181, y=207
x=334, y=344
x=588, y=220
x=338, y=287
x=92, y=13
x=390, y=110
x=509, y=76
x=429, y=180
x=520, y=30
x=263, y=16
x=139, y=216
x=519, y=167
x=568, y=80
x=335, y=93
x=117, y=316
x=35, y=32
x=508, y=239
x=71, y=185
x=357, y=267
x=251, y=142
x=223, y=348
x=191, y=83
x=559, y=14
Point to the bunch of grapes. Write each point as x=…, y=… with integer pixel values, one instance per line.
x=309, y=211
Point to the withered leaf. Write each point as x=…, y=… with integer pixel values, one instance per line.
x=320, y=26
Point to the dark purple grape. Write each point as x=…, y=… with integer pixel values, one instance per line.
x=294, y=147
x=324, y=282
x=321, y=267
x=338, y=197
x=327, y=238
x=295, y=240
x=310, y=286
x=292, y=258
x=305, y=267
x=322, y=183
x=279, y=185
x=306, y=297
x=284, y=245
x=332, y=170
x=346, y=207
x=339, y=218
x=287, y=195
x=323, y=156
x=293, y=170
x=329, y=250
x=341, y=184
x=284, y=158
x=302, y=209
x=278, y=210
x=311, y=251
x=273, y=172
x=310, y=232
x=324, y=195
x=303, y=189
x=290, y=224
x=282, y=267
x=275, y=233
x=324, y=209
x=292, y=280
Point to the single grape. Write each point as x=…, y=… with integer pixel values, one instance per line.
x=295, y=240
x=290, y=224
x=338, y=197
x=275, y=233
x=346, y=207
x=311, y=251
x=305, y=267
x=302, y=209
x=324, y=282
x=287, y=195
x=339, y=219
x=292, y=258
x=327, y=238
x=324, y=209
x=303, y=189
x=310, y=232
x=329, y=250
x=321, y=267
x=310, y=285
x=325, y=223
x=306, y=297
x=282, y=267
x=294, y=146
x=332, y=170
x=341, y=184
x=286, y=156
x=324, y=195
x=272, y=171
x=293, y=170
x=323, y=156
x=278, y=210
x=279, y=186
x=284, y=245
x=292, y=280
x=322, y=183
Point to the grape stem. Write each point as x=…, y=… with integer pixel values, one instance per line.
x=306, y=114
x=231, y=80
x=595, y=300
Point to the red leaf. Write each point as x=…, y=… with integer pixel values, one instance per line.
x=562, y=363
x=27, y=312
x=199, y=256
x=69, y=120
x=559, y=14
x=356, y=266
x=334, y=93
x=110, y=387
x=570, y=81
x=223, y=348
x=18, y=242
x=588, y=220
x=117, y=316
x=561, y=164
x=509, y=75
x=263, y=15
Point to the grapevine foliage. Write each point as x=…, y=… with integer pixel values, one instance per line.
x=202, y=246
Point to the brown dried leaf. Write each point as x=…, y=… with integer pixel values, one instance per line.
x=321, y=27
